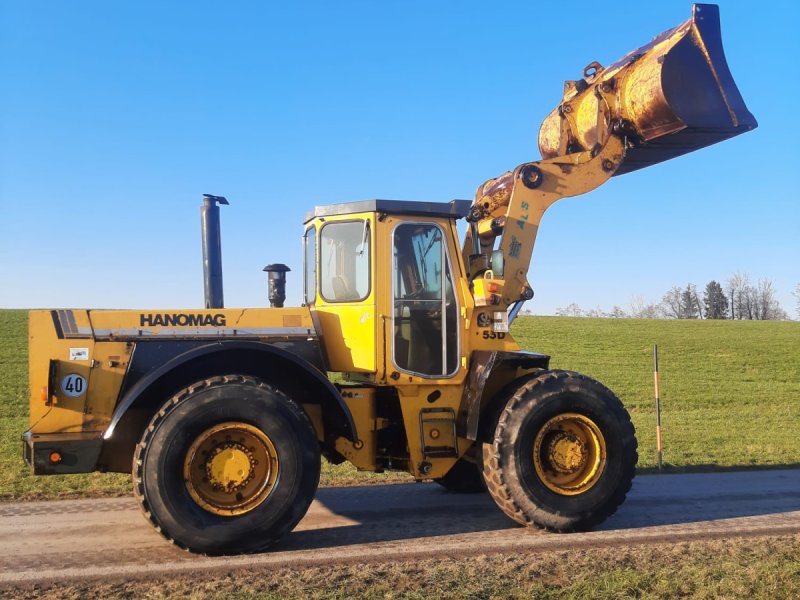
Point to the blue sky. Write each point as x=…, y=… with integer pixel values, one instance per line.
x=115, y=117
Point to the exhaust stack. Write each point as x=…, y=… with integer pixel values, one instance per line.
x=276, y=282
x=212, y=250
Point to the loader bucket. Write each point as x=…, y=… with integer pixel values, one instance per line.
x=669, y=97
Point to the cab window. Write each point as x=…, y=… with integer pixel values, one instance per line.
x=425, y=309
x=344, y=249
x=310, y=280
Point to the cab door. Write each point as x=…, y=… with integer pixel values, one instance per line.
x=425, y=340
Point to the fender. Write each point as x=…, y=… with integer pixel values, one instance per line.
x=482, y=363
x=130, y=396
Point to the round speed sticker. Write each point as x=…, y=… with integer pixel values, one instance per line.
x=73, y=385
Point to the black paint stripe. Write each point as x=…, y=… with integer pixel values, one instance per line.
x=57, y=324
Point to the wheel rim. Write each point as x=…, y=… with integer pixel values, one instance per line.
x=569, y=454
x=231, y=468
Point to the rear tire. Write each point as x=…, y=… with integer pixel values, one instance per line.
x=228, y=465
x=563, y=453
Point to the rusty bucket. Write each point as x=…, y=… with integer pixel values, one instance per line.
x=669, y=97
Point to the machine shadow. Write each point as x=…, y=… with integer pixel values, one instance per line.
x=396, y=512
x=706, y=496
x=387, y=513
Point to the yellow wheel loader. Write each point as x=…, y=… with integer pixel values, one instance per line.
x=222, y=414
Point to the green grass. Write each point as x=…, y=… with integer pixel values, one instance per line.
x=730, y=390
x=760, y=569
x=730, y=394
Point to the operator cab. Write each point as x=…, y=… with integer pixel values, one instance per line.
x=383, y=275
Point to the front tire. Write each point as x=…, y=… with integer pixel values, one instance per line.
x=228, y=465
x=563, y=453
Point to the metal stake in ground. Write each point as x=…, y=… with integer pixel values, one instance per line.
x=659, y=447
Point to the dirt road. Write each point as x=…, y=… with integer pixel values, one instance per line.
x=109, y=539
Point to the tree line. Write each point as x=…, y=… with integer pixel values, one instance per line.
x=739, y=299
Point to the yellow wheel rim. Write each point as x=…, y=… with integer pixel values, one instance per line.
x=569, y=454
x=231, y=468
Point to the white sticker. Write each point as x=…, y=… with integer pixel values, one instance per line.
x=79, y=354
x=500, y=323
x=73, y=385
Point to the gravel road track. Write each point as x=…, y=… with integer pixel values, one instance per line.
x=109, y=539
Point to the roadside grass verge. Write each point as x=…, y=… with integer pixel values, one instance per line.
x=730, y=395
x=755, y=568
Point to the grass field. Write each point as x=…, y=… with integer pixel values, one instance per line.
x=730, y=390
x=730, y=394
x=759, y=569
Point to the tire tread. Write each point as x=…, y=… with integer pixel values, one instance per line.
x=152, y=427
x=499, y=483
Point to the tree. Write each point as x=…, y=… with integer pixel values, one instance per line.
x=641, y=309
x=573, y=310
x=691, y=303
x=754, y=302
x=617, y=313
x=745, y=301
x=740, y=296
x=672, y=303
x=680, y=303
x=796, y=293
x=767, y=307
x=715, y=300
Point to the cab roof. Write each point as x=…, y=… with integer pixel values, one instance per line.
x=455, y=209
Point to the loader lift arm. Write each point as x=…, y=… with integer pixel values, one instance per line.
x=509, y=209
